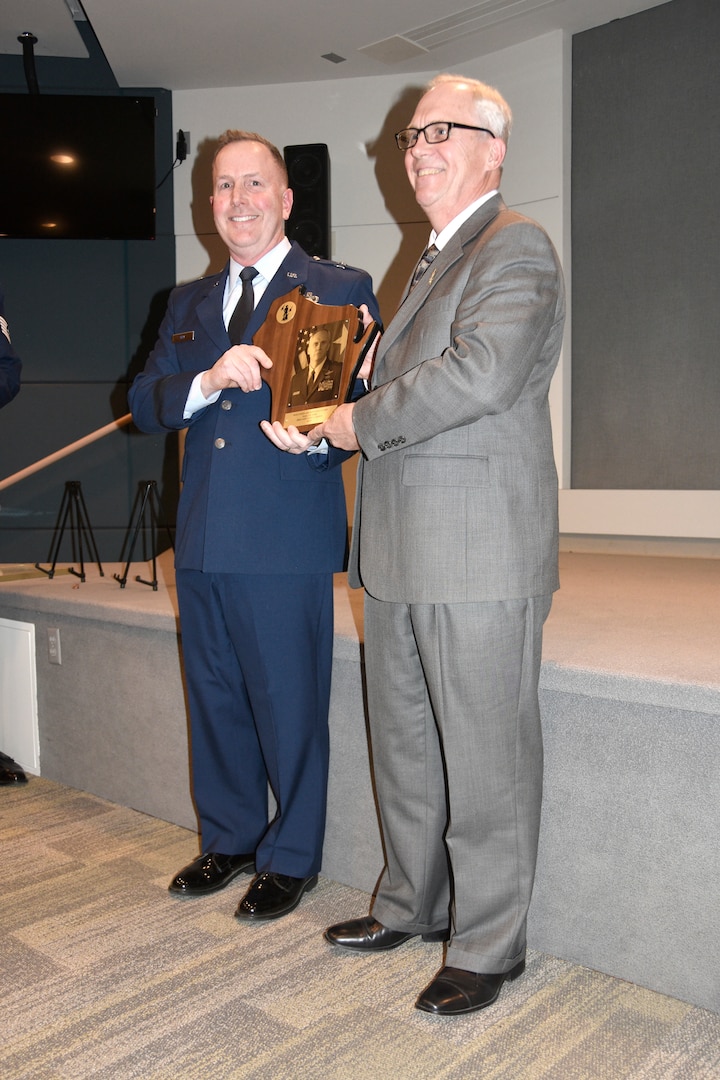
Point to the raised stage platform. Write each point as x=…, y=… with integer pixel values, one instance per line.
x=628, y=877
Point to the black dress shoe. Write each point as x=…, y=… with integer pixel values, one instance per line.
x=454, y=991
x=272, y=895
x=368, y=935
x=210, y=872
x=10, y=772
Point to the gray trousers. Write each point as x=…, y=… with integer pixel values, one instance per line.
x=457, y=759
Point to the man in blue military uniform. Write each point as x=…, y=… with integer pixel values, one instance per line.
x=10, y=365
x=259, y=535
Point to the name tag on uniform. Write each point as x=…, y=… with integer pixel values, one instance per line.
x=187, y=335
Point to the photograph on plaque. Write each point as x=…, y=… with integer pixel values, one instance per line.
x=316, y=350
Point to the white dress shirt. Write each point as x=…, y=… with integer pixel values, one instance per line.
x=266, y=268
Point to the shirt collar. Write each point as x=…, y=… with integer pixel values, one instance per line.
x=267, y=266
x=440, y=239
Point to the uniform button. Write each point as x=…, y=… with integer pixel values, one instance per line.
x=226, y=405
x=219, y=443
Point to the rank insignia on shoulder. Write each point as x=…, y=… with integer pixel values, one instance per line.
x=186, y=335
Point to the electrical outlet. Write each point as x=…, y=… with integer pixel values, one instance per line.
x=54, y=654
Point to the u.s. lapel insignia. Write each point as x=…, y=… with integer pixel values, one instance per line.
x=292, y=274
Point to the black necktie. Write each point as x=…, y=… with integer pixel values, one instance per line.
x=244, y=307
x=425, y=259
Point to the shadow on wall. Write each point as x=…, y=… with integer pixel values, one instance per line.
x=202, y=217
x=399, y=199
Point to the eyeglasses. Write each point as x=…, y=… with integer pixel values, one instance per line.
x=434, y=133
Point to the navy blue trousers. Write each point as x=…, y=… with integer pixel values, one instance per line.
x=257, y=651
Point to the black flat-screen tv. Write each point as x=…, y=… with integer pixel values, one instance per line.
x=77, y=166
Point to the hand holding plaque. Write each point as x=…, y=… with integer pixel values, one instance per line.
x=317, y=351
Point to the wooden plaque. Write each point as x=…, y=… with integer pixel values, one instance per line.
x=316, y=350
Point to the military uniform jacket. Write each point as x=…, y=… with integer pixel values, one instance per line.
x=245, y=506
x=10, y=366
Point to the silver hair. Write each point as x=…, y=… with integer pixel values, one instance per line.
x=492, y=109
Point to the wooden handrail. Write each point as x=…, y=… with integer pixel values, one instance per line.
x=69, y=449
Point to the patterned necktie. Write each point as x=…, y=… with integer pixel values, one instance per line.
x=425, y=259
x=244, y=307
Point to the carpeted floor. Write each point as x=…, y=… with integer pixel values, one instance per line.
x=105, y=975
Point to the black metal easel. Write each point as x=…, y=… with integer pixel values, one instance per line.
x=73, y=507
x=147, y=501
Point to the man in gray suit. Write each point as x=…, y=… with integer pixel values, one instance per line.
x=455, y=542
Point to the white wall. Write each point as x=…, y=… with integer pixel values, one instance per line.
x=19, y=736
x=377, y=225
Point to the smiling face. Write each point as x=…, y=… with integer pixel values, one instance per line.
x=250, y=201
x=446, y=177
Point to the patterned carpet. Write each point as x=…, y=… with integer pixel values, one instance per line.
x=105, y=975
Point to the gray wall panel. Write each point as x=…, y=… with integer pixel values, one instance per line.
x=645, y=251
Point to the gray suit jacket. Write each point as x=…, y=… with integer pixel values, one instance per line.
x=457, y=489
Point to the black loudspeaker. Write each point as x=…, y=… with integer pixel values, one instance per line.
x=308, y=169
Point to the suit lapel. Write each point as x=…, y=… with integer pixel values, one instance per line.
x=291, y=273
x=440, y=266
x=209, y=310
